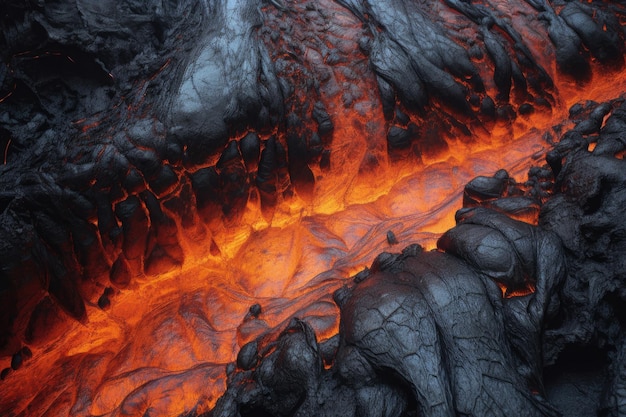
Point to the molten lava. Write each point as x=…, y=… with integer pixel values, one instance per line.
x=163, y=345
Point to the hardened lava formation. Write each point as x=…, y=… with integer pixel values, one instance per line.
x=424, y=331
x=134, y=136
x=468, y=329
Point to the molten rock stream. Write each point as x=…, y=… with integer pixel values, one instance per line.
x=162, y=346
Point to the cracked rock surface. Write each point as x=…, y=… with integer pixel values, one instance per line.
x=470, y=329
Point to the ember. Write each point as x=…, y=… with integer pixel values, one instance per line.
x=205, y=232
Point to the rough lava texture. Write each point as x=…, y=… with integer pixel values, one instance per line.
x=124, y=124
x=230, y=81
x=468, y=329
x=433, y=325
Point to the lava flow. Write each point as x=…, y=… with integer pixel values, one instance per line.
x=158, y=343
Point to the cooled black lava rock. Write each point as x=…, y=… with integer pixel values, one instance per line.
x=116, y=116
x=248, y=356
x=430, y=319
x=468, y=329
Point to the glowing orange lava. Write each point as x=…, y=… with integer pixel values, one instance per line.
x=163, y=346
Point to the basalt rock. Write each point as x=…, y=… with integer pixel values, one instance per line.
x=471, y=327
x=433, y=323
x=117, y=117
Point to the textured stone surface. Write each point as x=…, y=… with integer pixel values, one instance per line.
x=117, y=116
x=469, y=328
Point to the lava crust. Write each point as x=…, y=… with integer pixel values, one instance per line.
x=137, y=136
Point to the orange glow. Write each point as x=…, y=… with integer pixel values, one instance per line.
x=163, y=345
x=520, y=292
x=592, y=146
x=9, y=94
